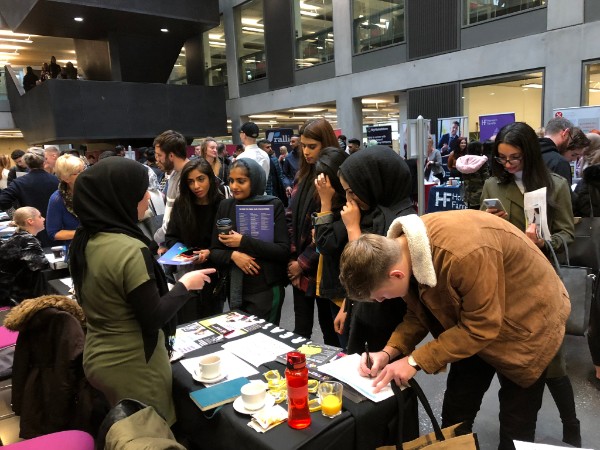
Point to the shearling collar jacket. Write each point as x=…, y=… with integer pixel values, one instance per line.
x=482, y=288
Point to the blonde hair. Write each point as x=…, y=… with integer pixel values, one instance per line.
x=4, y=164
x=216, y=164
x=23, y=214
x=67, y=165
x=365, y=264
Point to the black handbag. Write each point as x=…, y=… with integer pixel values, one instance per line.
x=585, y=248
x=580, y=283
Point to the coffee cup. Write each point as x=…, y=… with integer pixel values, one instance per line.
x=210, y=367
x=58, y=251
x=253, y=395
x=224, y=225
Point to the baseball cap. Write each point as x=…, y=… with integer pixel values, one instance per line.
x=250, y=129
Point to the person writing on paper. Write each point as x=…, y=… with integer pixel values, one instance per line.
x=257, y=268
x=466, y=279
x=517, y=168
x=123, y=291
x=192, y=222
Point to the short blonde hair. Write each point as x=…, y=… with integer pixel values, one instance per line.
x=23, y=214
x=67, y=165
x=365, y=264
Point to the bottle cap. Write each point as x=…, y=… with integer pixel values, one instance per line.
x=296, y=360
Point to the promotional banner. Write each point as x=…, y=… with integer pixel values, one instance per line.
x=383, y=134
x=585, y=117
x=279, y=137
x=490, y=124
x=444, y=126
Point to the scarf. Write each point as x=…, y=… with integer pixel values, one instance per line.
x=258, y=181
x=380, y=178
x=67, y=196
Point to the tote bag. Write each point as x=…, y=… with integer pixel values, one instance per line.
x=439, y=439
x=580, y=283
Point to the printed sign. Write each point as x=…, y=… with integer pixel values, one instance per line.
x=383, y=134
x=491, y=124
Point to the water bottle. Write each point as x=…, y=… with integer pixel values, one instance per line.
x=296, y=375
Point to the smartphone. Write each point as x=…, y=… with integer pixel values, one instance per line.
x=189, y=253
x=494, y=203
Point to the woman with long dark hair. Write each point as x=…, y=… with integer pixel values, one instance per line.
x=517, y=168
x=257, y=267
x=330, y=233
x=192, y=222
x=123, y=291
x=315, y=135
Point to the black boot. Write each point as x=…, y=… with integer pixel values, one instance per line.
x=562, y=393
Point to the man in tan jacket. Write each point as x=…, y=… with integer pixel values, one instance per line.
x=486, y=293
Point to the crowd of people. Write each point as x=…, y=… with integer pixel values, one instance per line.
x=463, y=276
x=48, y=71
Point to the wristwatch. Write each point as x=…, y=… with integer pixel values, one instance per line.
x=413, y=363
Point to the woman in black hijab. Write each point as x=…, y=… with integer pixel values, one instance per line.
x=122, y=289
x=377, y=184
x=257, y=266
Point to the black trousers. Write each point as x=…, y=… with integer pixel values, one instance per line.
x=469, y=379
x=593, y=334
x=304, y=311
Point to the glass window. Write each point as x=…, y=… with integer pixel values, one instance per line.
x=591, y=89
x=314, y=32
x=179, y=73
x=479, y=10
x=250, y=40
x=377, y=23
x=215, y=59
x=519, y=93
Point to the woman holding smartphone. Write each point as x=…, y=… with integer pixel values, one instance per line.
x=191, y=223
x=518, y=167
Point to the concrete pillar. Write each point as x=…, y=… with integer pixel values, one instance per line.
x=342, y=35
x=349, y=112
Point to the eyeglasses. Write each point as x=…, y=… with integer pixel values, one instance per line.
x=515, y=160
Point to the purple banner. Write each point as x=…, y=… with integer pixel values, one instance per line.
x=490, y=124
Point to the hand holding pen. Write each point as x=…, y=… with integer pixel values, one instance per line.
x=371, y=363
x=369, y=360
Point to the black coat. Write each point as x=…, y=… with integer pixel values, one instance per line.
x=33, y=189
x=49, y=390
x=554, y=160
x=588, y=189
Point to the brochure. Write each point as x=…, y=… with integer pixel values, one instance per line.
x=232, y=324
x=256, y=221
x=534, y=204
x=176, y=256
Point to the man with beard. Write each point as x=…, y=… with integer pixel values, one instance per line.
x=171, y=156
x=555, y=142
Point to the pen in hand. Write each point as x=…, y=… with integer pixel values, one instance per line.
x=369, y=361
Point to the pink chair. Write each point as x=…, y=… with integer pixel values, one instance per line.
x=63, y=440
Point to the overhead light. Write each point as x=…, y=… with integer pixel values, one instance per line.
x=373, y=101
x=309, y=13
x=216, y=44
x=10, y=33
x=532, y=85
x=250, y=21
x=24, y=41
x=164, y=30
x=253, y=29
x=215, y=36
x=9, y=55
x=263, y=116
x=307, y=110
x=594, y=90
x=78, y=19
x=10, y=47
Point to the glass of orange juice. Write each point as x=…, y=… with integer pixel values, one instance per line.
x=330, y=395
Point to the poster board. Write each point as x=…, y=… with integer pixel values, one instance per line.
x=585, y=117
x=445, y=124
x=491, y=124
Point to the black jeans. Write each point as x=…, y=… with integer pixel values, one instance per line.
x=469, y=379
x=304, y=311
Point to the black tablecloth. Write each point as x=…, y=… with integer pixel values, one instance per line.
x=361, y=426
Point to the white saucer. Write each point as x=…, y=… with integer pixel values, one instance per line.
x=201, y=379
x=238, y=405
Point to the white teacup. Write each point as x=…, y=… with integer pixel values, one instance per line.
x=210, y=367
x=253, y=395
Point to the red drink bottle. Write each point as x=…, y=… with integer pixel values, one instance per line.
x=296, y=375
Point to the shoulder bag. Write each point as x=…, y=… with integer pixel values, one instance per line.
x=585, y=248
x=580, y=284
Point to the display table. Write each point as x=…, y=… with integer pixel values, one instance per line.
x=360, y=426
x=445, y=198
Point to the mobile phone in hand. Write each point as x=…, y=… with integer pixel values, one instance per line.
x=494, y=203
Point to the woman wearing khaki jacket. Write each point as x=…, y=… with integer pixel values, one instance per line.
x=517, y=167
